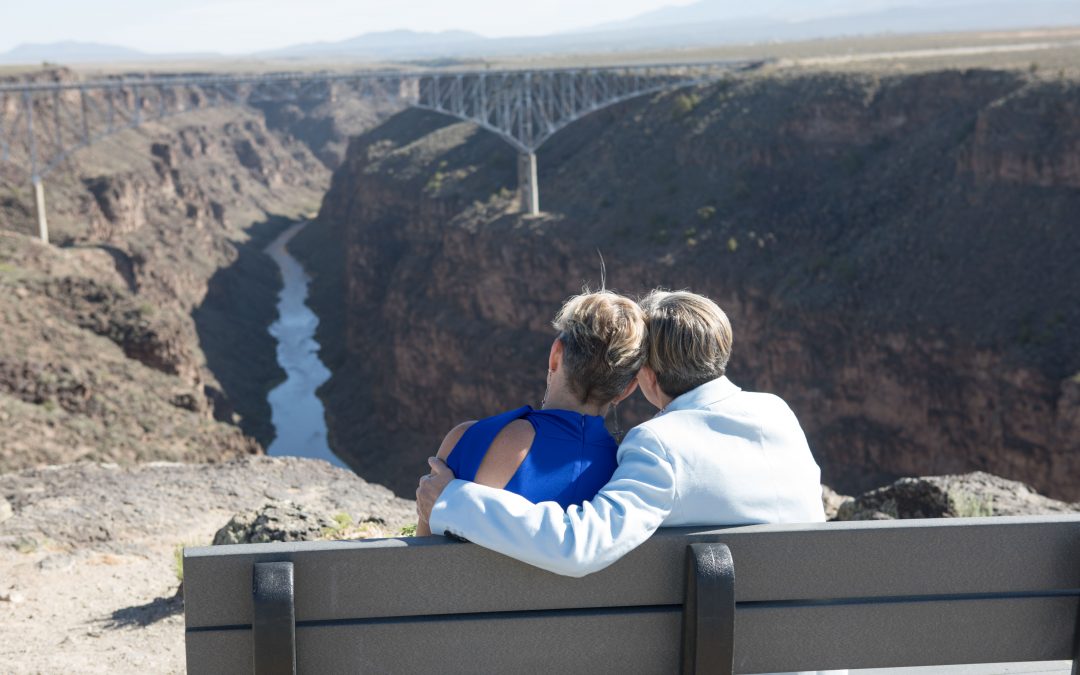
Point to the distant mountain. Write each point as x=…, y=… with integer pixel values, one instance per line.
x=703, y=23
x=69, y=52
x=713, y=11
x=957, y=15
x=800, y=11
x=387, y=45
x=711, y=22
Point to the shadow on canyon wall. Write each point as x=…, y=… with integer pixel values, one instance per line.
x=232, y=324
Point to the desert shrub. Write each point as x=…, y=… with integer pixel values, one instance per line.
x=178, y=560
x=684, y=103
x=966, y=505
x=435, y=183
x=342, y=523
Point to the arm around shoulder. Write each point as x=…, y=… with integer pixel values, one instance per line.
x=451, y=439
x=574, y=542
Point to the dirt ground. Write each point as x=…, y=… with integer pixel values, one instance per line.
x=88, y=577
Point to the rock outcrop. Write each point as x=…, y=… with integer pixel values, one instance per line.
x=288, y=521
x=967, y=496
x=888, y=270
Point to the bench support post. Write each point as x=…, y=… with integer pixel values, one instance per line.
x=274, y=623
x=1076, y=648
x=709, y=611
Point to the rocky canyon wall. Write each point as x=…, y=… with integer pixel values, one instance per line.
x=140, y=334
x=897, y=254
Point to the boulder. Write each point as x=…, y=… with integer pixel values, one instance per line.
x=287, y=521
x=963, y=496
x=274, y=521
x=832, y=501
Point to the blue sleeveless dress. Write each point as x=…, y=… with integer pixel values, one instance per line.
x=571, y=457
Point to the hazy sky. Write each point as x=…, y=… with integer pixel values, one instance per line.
x=233, y=26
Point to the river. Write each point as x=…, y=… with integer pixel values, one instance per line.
x=298, y=415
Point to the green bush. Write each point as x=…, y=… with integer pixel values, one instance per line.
x=435, y=183
x=966, y=505
x=685, y=103
x=178, y=560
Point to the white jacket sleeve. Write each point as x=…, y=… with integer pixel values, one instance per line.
x=580, y=540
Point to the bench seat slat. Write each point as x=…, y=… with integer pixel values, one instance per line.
x=812, y=562
x=767, y=639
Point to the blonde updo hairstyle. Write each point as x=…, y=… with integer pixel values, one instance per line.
x=603, y=338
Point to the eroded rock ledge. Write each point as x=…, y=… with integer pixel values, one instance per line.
x=973, y=495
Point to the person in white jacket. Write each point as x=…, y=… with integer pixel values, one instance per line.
x=713, y=455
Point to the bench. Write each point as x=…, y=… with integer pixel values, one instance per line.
x=798, y=597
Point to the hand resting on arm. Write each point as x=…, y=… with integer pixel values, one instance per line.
x=573, y=542
x=502, y=460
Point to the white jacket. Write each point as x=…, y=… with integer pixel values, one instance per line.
x=715, y=456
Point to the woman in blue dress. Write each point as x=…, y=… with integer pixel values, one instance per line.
x=561, y=452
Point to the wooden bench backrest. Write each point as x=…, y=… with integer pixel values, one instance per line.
x=839, y=595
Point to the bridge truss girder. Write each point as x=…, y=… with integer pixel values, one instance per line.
x=526, y=108
x=42, y=124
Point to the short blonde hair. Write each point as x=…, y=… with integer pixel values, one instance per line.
x=689, y=340
x=603, y=338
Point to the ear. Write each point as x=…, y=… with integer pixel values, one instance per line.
x=630, y=389
x=647, y=378
x=555, y=357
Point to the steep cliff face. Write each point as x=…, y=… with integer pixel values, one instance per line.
x=896, y=254
x=140, y=334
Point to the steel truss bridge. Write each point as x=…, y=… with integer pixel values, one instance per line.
x=42, y=124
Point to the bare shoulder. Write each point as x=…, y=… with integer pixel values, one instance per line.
x=506, y=454
x=514, y=436
x=452, y=438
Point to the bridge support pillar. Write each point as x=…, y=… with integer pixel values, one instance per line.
x=528, y=185
x=39, y=202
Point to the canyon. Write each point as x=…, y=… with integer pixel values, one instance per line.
x=896, y=252
x=141, y=334
x=893, y=248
